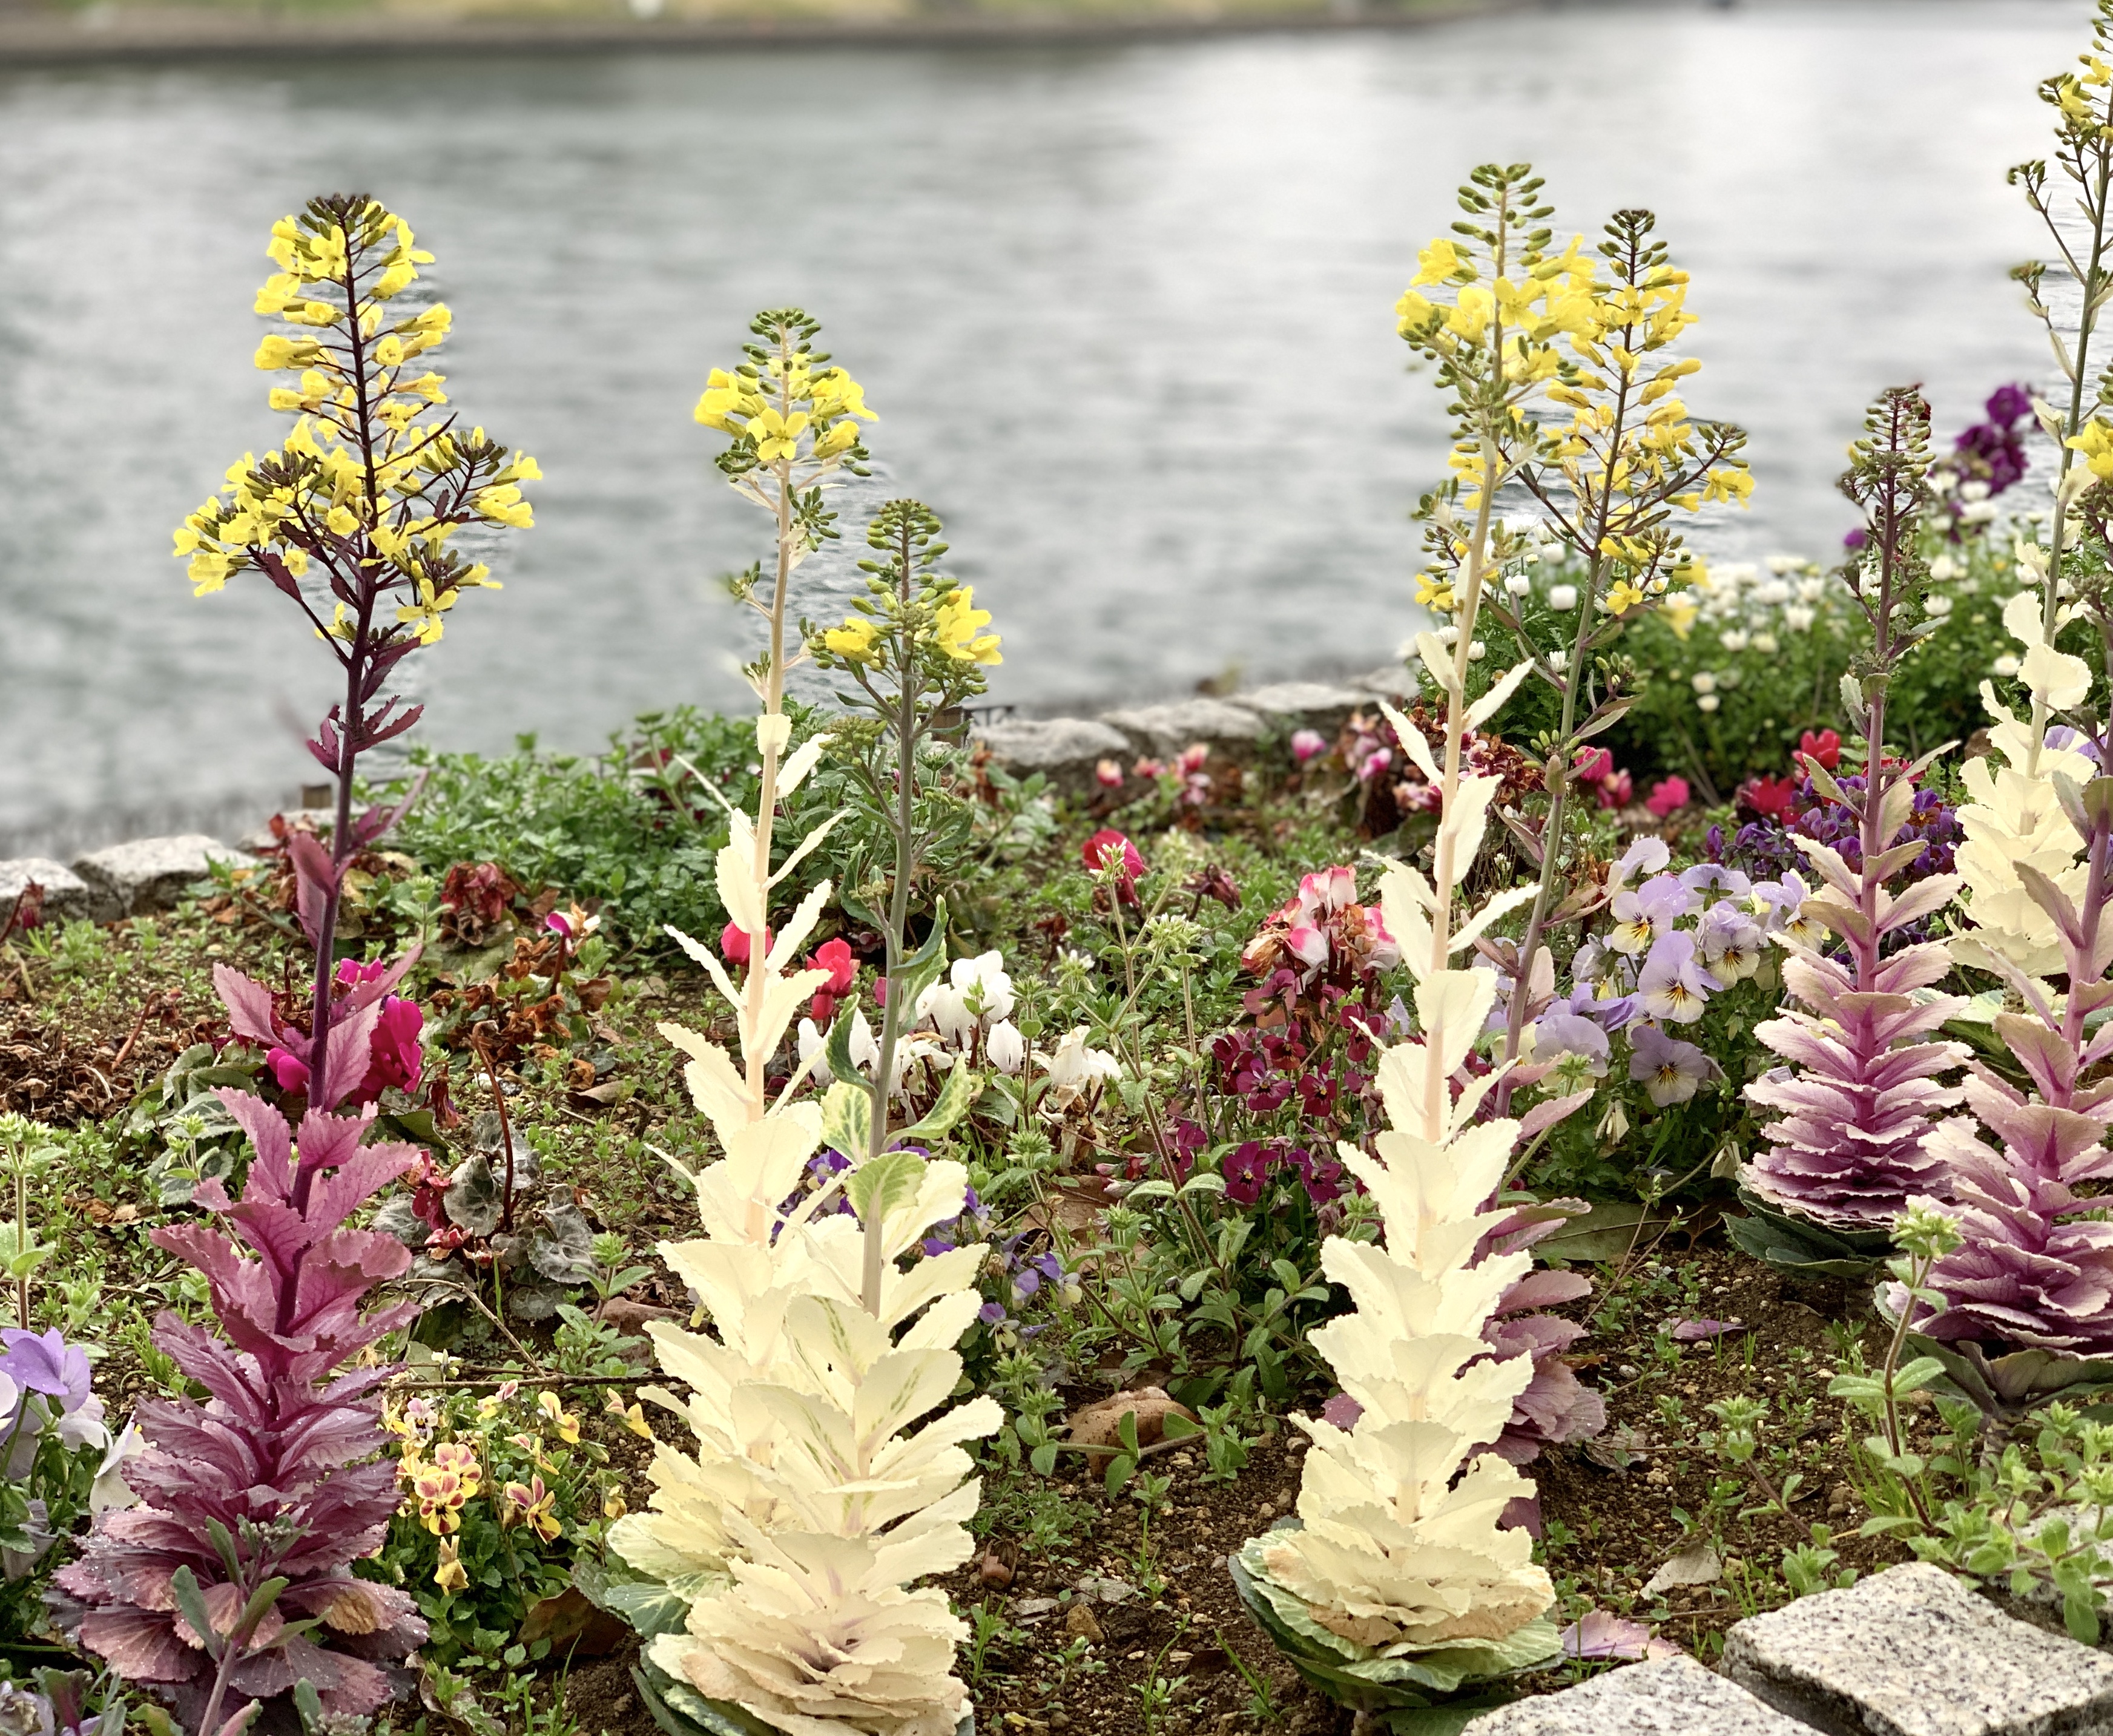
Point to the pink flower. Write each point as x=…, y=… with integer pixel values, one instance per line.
x=1192, y=759
x=1669, y=796
x=733, y=943
x=1308, y=744
x=1110, y=848
x=1592, y=765
x=1373, y=764
x=834, y=957
x=289, y=1069
x=1615, y=791
x=1149, y=768
x=1109, y=775
x=394, y=1056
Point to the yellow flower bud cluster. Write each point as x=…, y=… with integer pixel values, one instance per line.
x=366, y=482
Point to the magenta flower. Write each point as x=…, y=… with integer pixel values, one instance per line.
x=1670, y=1070
x=1673, y=984
x=1307, y=743
x=1669, y=796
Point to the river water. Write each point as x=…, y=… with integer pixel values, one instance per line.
x=1124, y=312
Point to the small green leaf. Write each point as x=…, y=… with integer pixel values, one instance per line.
x=847, y=1119
x=957, y=1096
x=881, y=1184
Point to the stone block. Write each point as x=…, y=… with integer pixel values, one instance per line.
x=1671, y=1696
x=1911, y=1652
x=67, y=897
x=1064, y=749
x=1391, y=681
x=151, y=874
x=1304, y=704
x=1164, y=730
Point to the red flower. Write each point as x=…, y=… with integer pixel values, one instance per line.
x=1615, y=789
x=1109, y=848
x=1667, y=797
x=1771, y=797
x=1592, y=765
x=834, y=957
x=1825, y=747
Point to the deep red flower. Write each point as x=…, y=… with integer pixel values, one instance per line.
x=1825, y=747
x=1771, y=797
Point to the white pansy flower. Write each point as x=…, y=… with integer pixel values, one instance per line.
x=1562, y=596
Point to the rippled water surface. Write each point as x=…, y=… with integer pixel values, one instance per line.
x=1124, y=312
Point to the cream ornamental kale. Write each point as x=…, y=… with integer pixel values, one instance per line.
x=232, y=1581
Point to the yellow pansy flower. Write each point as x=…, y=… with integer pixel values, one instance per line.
x=563, y=1420
x=450, y=1575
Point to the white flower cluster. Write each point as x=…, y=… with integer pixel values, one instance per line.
x=970, y=1012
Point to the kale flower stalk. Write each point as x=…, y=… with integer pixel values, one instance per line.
x=794, y=422
x=1609, y=479
x=914, y=647
x=361, y=503
x=2082, y=105
x=1853, y=1144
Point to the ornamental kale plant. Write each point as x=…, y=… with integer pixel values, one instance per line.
x=231, y=1582
x=230, y=1585
x=1853, y=1143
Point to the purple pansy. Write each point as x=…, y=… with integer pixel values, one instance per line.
x=1673, y=984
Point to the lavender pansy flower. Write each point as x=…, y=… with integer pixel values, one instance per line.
x=1669, y=1070
x=1647, y=913
x=1732, y=941
x=1707, y=877
x=1647, y=856
x=46, y=1363
x=1557, y=1034
x=1673, y=984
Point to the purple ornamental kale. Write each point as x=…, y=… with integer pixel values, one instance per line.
x=1852, y=1143
x=1556, y=1406
x=281, y=1462
x=2035, y=1265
